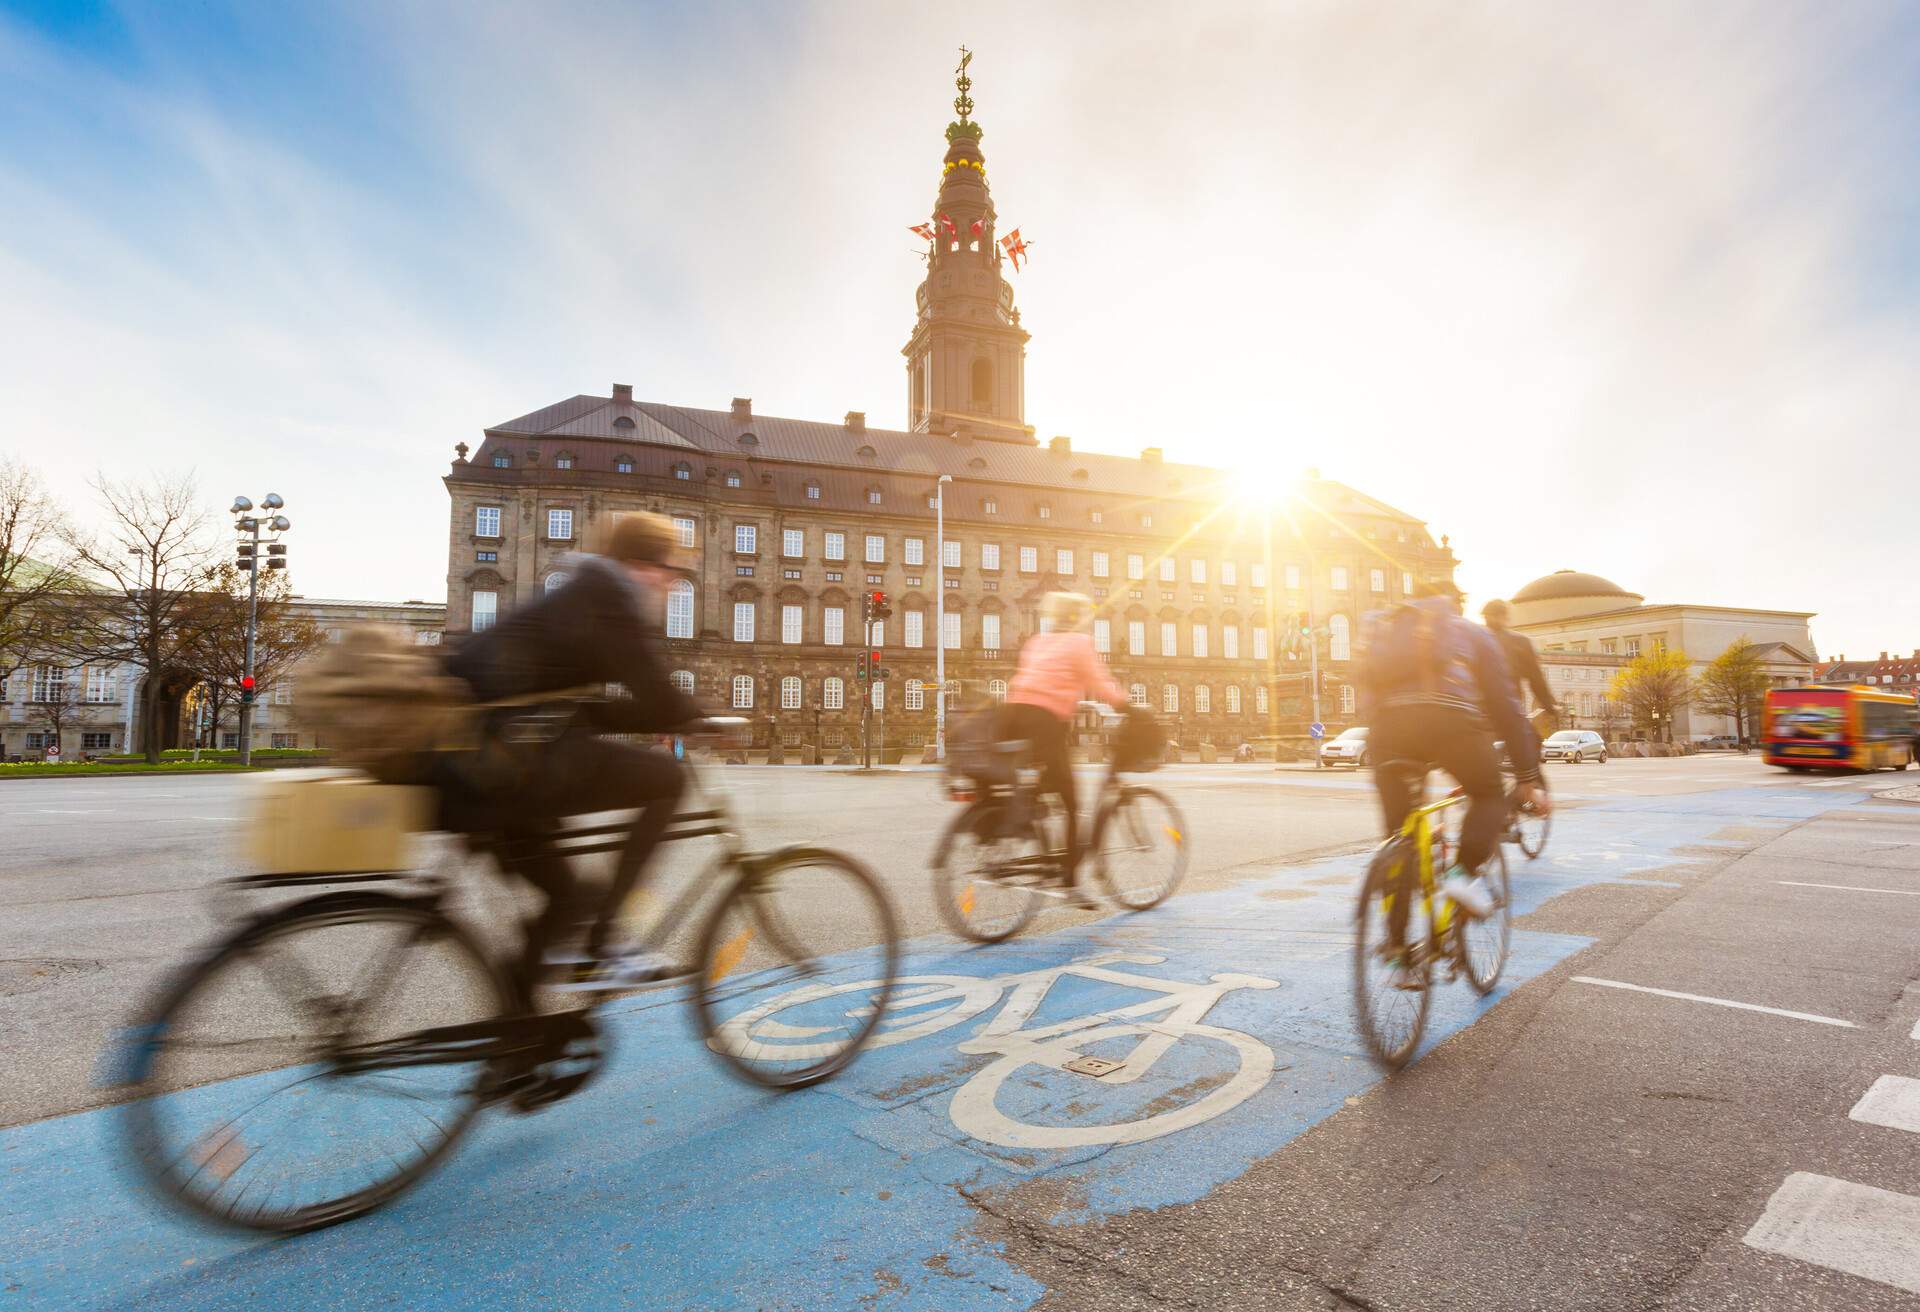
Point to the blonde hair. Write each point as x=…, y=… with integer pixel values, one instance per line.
x=1066, y=611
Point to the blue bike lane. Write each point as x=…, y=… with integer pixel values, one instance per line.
x=666, y=1184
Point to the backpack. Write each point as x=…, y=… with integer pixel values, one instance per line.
x=379, y=703
x=1410, y=647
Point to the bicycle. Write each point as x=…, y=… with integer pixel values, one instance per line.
x=385, y=1027
x=998, y=862
x=1394, y=953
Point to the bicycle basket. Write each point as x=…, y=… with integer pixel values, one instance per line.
x=970, y=744
x=1140, y=743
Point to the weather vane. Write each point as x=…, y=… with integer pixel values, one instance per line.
x=963, y=103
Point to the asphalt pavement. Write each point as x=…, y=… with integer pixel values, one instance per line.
x=1698, y=1085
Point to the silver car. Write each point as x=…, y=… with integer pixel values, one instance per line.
x=1350, y=748
x=1574, y=746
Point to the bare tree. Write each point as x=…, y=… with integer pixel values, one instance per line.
x=218, y=651
x=150, y=563
x=36, y=564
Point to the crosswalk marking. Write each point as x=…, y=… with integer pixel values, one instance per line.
x=1849, y=1227
x=1893, y=1101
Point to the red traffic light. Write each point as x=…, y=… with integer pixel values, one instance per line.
x=247, y=683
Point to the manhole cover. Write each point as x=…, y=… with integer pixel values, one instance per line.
x=1094, y=1066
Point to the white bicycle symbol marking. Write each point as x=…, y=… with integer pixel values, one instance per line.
x=1158, y=1023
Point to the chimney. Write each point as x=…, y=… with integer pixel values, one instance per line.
x=1883, y=655
x=1151, y=455
x=857, y=420
x=1061, y=446
x=743, y=407
x=623, y=392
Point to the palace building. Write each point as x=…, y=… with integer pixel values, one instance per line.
x=786, y=522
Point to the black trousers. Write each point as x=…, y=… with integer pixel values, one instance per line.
x=1052, y=753
x=1460, y=743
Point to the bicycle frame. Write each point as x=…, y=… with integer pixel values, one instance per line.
x=1419, y=829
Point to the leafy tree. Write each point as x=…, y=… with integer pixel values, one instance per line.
x=1734, y=685
x=1653, y=685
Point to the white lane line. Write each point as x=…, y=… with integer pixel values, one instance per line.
x=1916, y=1031
x=1716, y=1002
x=1893, y=1101
x=1844, y=1226
x=1850, y=888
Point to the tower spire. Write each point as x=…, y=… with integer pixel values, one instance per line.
x=966, y=360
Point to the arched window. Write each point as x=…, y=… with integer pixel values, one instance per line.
x=1202, y=700
x=683, y=471
x=743, y=692
x=1346, y=699
x=1137, y=696
x=1233, y=699
x=1339, y=641
x=680, y=609
x=790, y=693
x=623, y=422
x=997, y=689
x=873, y=496
x=733, y=478
x=1260, y=700
x=916, y=695
x=683, y=680
x=1170, y=699
x=833, y=693
x=623, y=465
x=557, y=580
x=983, y=382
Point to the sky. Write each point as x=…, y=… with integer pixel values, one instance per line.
x=1625, y=288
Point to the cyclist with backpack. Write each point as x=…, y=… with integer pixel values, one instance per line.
x=1437, y=688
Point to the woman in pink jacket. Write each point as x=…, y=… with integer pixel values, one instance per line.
x=1057, y=669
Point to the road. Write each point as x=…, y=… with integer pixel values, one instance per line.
x=1698, y=1085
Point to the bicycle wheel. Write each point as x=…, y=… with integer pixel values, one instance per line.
x=1392, y=975
x=796, y=928
x=1143, y=841
x=986, y=884
x=246, y=1114
x=1483, y=943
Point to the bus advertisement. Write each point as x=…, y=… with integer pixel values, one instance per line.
x=1840, y=729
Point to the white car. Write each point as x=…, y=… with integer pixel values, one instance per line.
x=1574, y=746
x=1350, y=748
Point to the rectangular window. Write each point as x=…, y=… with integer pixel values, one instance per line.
x=836, y=626
x=1100, y=564
x=1377, y=580
x=950, y=549
x=1137, y=696
x=833, y=695
x=1339, y=578
x=989, y=555
x=878, y=635
x=49, y=684
x=1609, y=646
x=1062, y=561
x=1259, y=642
x=1260, y=700
x=1200, y=640
x=486, y=609
x=1169, y=570
x=1169, y=638
x=836, y=546
x=746, y=539
x=1136, y=567
x=793, y=542
x=743, y=692
x=1293, y=577
x=914, y=624
x=99, y=684
x=916, y=695
x=792, y=619
x=486, y=557
x=950, y=630
x=283, y=693
x=1633, y=646
x=915, y=551
x=1257, y=576
x=1406, y=583
x=1170, y=699
x=879, y=694
x=743, y=621
x=486, y=521
x=1029, y=560
x=1229, y=574
x=560, y=525
x=1199, y=568
x=790, y=693
x=1233, y=699
x=1203, y=700
x=990, y=632
x=1230, y=641
x=1103, y=636
x=1136, y=637
x=103, y=742
x=876, y=549
x=684, y=527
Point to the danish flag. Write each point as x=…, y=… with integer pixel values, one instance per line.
x=924, y=231
x=1015, y=248
x=948, y=224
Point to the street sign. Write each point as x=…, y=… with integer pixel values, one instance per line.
x=1317, y=729
x=53, y=751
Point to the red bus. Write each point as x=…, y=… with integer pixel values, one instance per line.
x=1853, y=728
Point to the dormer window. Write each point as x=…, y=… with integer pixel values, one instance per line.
x=866, y=452
x=1046, y=511
x=501, y=460
x=873, y=496
x=989, y=507
x=683, y=471
x=813, y=491
x=733, y=478
x=748, y=439
x=623, y=422
x=623, y=465
x=1079, y=475
x=1146, y=521
x=976, y=463
x=564, y=460
x=1097, y=517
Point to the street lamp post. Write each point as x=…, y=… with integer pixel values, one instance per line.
x=940, y=617
x=249, y=560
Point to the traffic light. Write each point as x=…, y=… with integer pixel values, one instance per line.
x=276, y=555
x=878, y=607
x=244, y=560
x=246, y=691
x=860, y=669
x=873, y=665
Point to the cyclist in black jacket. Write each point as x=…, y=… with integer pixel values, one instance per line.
x=595, y=629
x=1523, y=662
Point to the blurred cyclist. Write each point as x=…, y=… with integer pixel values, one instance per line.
x=1433, y=683
x=595, y=629
x=1523, y=662
x=1057, y=669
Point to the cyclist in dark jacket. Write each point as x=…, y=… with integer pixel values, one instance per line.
x=1523, y=662
x=595, y=629
x=1434, y=684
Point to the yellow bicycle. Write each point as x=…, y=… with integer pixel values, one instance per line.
x=1402, y=930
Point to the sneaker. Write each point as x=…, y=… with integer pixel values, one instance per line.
x=1470, y=895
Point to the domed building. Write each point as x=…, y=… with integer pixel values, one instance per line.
x=1587, y=627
